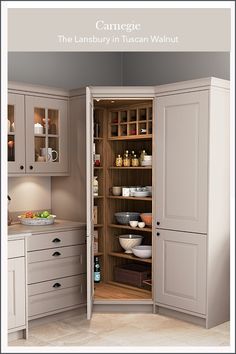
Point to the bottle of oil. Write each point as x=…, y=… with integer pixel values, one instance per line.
x=97, y=271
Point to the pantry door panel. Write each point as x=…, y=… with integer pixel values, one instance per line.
x=181, y=160
x=89, y=201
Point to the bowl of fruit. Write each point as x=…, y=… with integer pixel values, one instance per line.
x=38, y=218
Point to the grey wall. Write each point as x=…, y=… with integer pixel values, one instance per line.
x=66, y=70
x=168, y=67
x=70, y=70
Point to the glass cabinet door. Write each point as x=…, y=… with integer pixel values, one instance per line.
x=16, y=134
x=46, y=129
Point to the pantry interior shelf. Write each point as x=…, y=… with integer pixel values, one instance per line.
x=126, y=227
x=97, y=254
x=98, y=225
x=130, y=168
x=130, y=256
x=132, y=137
x=149, y=199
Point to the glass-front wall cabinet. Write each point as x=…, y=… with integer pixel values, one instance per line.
x=46, y=135
x=16, y=134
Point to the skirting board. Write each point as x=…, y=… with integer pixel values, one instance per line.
x=122, y=308
x=181, y=316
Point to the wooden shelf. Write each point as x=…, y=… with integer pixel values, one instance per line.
x=97, y=139
x=130, y=287
x=149, y=199
x=131, y=137
x=118, y=226
x=98, y=167
x=11, y=133
x=130, y=168
x=97, y=225
x=98, y=254
x=130, y=256
x=98, y=196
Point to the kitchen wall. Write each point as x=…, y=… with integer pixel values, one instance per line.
x=168, y=67
x=29, y=193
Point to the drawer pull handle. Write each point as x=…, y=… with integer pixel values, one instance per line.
x=56, y=240
x=57, y=285
x=56, y=254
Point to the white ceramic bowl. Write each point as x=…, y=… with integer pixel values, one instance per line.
x=143, y=251
x=129, y=241
x=145, y=163
x=141, y=224
x=133, y=223
x=141, y=194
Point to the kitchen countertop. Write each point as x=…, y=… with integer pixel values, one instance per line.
x=59, y=225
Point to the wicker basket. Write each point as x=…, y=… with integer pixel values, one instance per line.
x=37, y=221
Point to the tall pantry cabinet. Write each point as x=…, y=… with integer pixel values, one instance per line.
x=190, y=180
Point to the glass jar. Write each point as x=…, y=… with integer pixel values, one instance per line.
x=95, y=186
x=119, y=161
x=143, y=153
x=135, y=161
x=126, y=160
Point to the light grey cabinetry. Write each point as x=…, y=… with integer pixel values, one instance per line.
x=182, y=160
x=56, y=272
x=181, y=270
x=16, y=285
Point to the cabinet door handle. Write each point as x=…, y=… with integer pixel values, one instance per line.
x=21, y=167
x=158, y=223
x=57, y=285
x=56, y=254
x=31, y=167
x=56, y=240
x=158, y=233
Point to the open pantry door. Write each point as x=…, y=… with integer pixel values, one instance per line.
x=89, y=200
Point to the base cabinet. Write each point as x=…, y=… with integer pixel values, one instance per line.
x=181, y=270
x=16, y=292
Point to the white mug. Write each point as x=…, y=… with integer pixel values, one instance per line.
x=49, y=151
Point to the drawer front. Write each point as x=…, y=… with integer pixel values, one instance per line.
x=56, y=239
x=56, y=284
x=56, y=300
x=16, y=248
x=55, y=253
x=58, y=268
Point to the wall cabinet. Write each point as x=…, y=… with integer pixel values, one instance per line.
x=181, y=270
x=16, y=285
x=38, y=133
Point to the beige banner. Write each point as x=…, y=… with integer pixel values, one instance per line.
x=119, y=30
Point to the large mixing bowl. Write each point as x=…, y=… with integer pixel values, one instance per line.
x=129, y=241
x=125, y=217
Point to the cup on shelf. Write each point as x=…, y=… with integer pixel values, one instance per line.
x=141, y=224
x=133, y=223
x=116, y=190
x=49, y=153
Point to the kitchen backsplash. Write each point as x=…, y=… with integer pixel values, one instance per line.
x=29, y=193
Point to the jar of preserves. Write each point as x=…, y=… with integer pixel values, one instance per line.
x=119, y=161
x=135, y=161
x=126, y=160
x=143, y=153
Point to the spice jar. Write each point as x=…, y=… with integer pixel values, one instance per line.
x=119, y=161
x=135, y=161
x=126, y=160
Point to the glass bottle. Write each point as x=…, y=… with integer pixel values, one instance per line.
x=97, y=271
x=126, y=160
x=95, y=186
x=143, y=153
x=135, y=161
x=119, y=161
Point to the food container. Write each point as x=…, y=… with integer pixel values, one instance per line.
x=125, y=192
x=37, y=221
x=132, y=274
x=125, y=217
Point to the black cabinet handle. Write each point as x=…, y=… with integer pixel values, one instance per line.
x=56, y=240
x=57, y=285
x=158, y=233
x=21, y=167
x=31, y=167
x=56, y=254
x=158, y=223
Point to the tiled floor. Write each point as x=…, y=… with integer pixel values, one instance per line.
x=125, y=330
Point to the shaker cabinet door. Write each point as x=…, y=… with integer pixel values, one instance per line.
x=181, y=159
x=46, y=135
x=16, y=292
x=181, y=270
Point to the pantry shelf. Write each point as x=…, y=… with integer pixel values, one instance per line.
x=126, y=227
x=132, y=137
x=98, y=225
x=130, y=168
x=130, y=256
x=149, y=199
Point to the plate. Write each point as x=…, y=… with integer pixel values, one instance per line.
x=141, y=194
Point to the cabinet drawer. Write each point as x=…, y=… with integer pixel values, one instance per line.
x=58, y=268
x=56, y=239
x=55, y=253
x=55, y=300
x=56, y=284
x=16, y=248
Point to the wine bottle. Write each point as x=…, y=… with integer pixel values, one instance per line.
x=97, y=272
